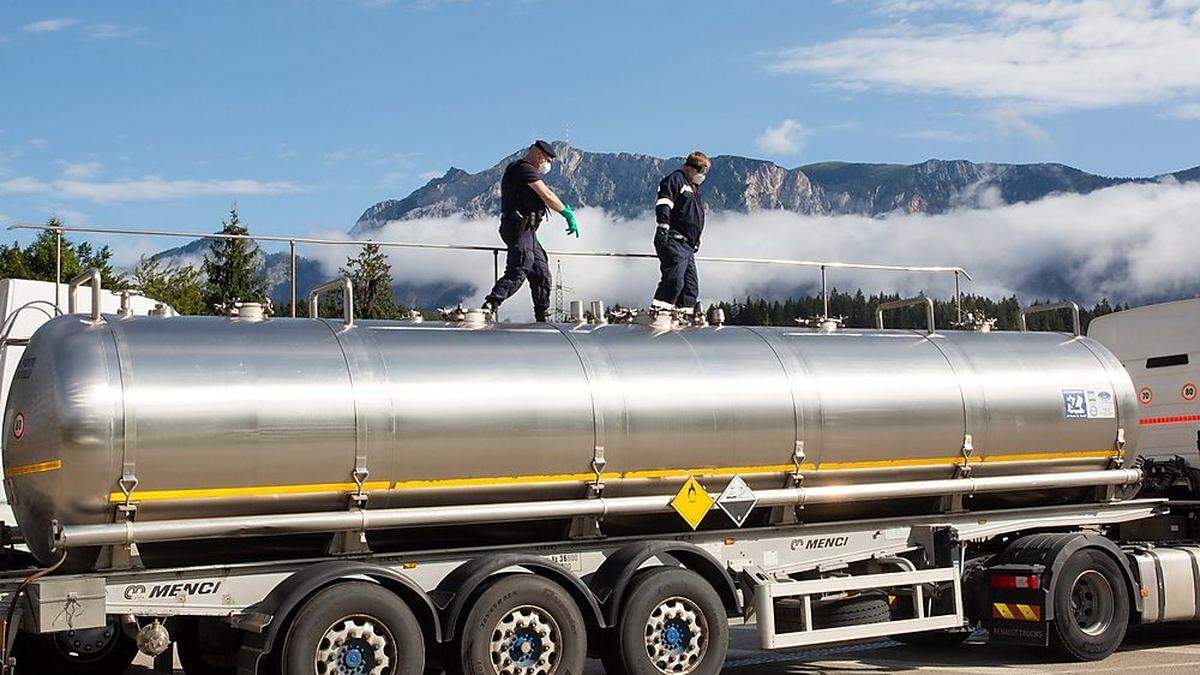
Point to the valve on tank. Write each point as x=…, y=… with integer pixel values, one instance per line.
x=976, y=321
x=824, y=324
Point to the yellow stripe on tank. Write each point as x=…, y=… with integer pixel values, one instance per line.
x=249, y=491
x=40, y=467
x=651, y=474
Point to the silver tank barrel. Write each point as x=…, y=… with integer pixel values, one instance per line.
x=207, y=417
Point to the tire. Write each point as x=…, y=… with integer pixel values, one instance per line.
x=207, y=646
x=864, y=608
x=517, y=613
x=106, y=651
x=1091, y=607
x=672, y=621
x=856, y=610
x=369, y=621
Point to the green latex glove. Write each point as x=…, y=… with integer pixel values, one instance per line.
x=572, y=226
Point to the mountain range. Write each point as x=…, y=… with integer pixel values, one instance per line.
x=625, y=184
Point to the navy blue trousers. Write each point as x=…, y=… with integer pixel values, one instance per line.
x=680, y=285
x=525, y=260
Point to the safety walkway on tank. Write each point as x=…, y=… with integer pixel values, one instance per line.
x=822, y=265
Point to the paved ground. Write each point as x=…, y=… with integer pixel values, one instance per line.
x=1167, y=649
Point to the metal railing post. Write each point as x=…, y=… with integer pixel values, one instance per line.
x=495, y=278
x=292, y=244
x=58, y=270
x=824, y=293
x=957, y=297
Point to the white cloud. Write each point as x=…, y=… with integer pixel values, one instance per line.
x=1061, y=54
x=940, y=135
x=75, y=185
x=786, y=138
x=49, y=25
x=1128, y=242
x=81, y=169
x=1186, y=111
x=23, y=185
x=109, y=31
x=153, y=188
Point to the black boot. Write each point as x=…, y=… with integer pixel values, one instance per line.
x=539, y=316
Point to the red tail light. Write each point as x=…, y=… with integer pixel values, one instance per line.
x=1016, y=581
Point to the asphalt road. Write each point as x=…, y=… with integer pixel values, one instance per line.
x=1166, y=649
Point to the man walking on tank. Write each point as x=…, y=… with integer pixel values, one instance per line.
x=680, y=215
x=524, y=200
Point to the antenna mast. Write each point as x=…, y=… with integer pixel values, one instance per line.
x=560, y=291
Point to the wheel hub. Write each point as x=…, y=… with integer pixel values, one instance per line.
x=355, y=645
x=87, y=644
x=1093, y=604
x=525, y=642
x=676, y=636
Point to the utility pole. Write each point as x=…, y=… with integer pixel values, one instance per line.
x=560, y=291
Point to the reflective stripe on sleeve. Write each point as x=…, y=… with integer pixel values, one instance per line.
x=665, y=202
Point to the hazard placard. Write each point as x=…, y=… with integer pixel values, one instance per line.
x=692, y=502
x=737, y=501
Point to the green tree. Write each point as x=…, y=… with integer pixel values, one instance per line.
x=36, y=261
x=371, y=276
x=233, y=269
x=180, y=286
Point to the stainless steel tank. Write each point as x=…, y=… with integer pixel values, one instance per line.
x=206, y=416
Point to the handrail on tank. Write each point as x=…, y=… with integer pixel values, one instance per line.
x=1041, y=309
x=824, y=266
x=91, y=277
x=907, y=302
x=347, y=288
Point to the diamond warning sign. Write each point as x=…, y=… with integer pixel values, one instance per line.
x=737, y=501
x=692, y=502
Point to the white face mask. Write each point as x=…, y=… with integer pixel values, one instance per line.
x=699, y=178
x=544, y=168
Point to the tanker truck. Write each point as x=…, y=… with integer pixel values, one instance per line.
x=336, y=496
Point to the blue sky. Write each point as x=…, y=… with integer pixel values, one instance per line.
x=160, y=114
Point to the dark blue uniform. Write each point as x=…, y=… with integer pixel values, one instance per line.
x=680, y=215
x=521, y=211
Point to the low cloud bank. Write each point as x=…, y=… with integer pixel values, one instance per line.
x=1132, y=243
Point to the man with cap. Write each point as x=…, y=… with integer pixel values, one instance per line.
x=680, y=215
x=524, y=200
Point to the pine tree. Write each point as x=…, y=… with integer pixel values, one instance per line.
x=371, y=276
x=179, y=286
x=36, y=261
x=233, y=269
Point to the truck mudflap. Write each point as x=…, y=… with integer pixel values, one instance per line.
x=1015, y=608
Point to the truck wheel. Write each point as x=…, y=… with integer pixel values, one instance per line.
x=672, y=622
x=354, y=628
x=523, y=624
x=95, y=651
x=1091, y=607
x=207, y=646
